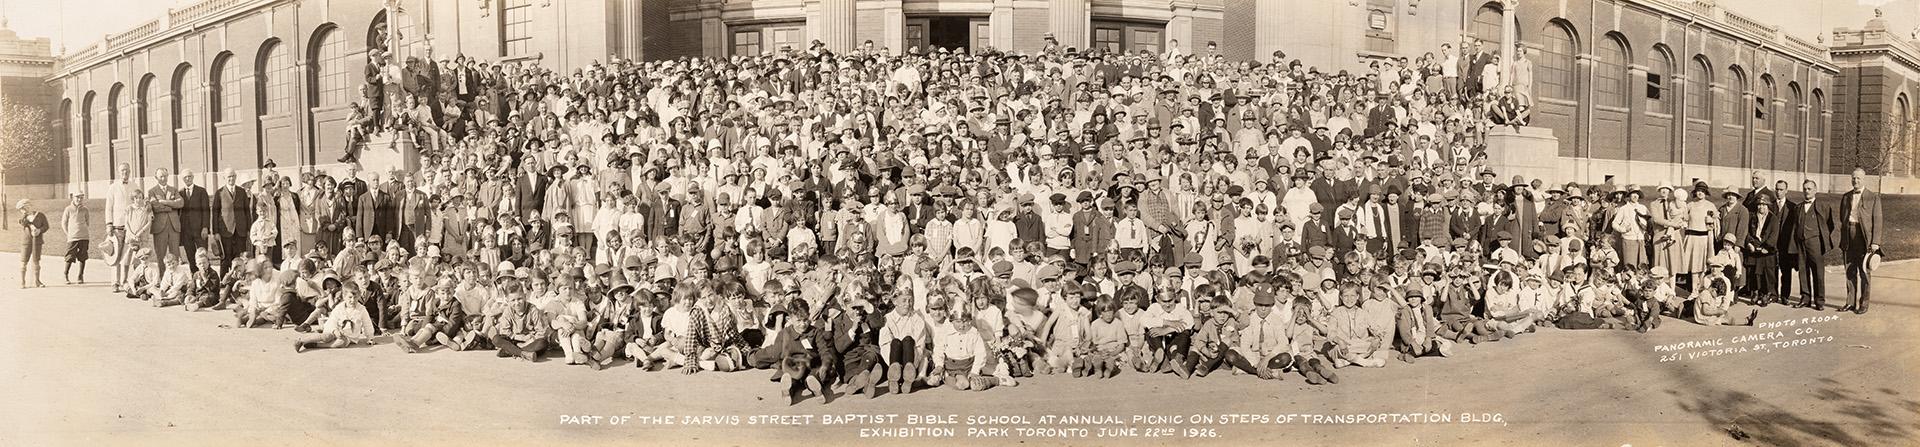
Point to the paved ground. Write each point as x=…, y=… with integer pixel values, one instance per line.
x=81, y=367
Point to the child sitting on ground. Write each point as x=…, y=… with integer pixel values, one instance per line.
x=1107, y=340
x=1065, y=332
x=960, y=354
x=901, y=341
x=1715, y=301
x=347, y=324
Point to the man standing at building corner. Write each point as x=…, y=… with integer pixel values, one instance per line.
x=1860, y=236
x=166, y=203
x=193, y=218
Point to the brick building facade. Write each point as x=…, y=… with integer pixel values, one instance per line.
x=1875, y=123
x=1641, y=90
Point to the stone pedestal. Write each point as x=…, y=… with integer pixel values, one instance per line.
x=386, y=152
x=1531, y=152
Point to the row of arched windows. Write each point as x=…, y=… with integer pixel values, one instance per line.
x=1555, y=78
x=186, y=100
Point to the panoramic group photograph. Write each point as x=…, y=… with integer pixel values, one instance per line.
x=960, y=222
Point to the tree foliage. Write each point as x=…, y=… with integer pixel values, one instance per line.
x=26, y=137
x=1881, y=144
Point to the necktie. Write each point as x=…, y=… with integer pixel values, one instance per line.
x=1260, y=334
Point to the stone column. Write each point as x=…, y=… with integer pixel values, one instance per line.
x=1180, y=28
x=893, y=29
x=836, y=28
x=1067, y=20
x=1509, y=36
x=1000, y=21
x=1267, y=38
x=713, y=36
x=633, y=43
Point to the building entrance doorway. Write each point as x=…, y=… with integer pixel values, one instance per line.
x=955, y=33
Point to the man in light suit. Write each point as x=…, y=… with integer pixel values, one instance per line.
x=1860, y=235
x=119, y=201
x=232, y=217
x=1812, y=227
x=193, y=218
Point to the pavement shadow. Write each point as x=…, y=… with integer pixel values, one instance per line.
x=1861, y=419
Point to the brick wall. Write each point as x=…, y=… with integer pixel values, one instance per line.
x=1241, y=24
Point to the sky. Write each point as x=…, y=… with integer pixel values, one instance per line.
x=76, y=23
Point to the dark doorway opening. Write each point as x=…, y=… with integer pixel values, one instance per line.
x=952, y=33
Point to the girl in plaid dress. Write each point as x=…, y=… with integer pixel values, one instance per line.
x=724, y=349
x=685, y=329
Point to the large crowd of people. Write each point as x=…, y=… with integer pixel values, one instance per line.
x=922, y=219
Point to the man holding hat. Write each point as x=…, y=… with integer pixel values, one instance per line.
x=1860, y=238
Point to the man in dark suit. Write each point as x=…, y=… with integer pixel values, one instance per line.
x=386, y=210
x=166, y=203
x=1787, y=263
x=1813, y=234
x=232, y=217
x=193, y=217
x=353, y=195
x=1860, y=235
x=1762, y=252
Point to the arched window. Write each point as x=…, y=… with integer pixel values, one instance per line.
x=1730, y=109
x=330, y=69
x=1659, y=73
x=113, y=112
x=66, y=122
x=1763, y=103
x=226, y=107
x=1901, y=136
x=272, y=75
x=150, y=117
x=89, y=112
x=1792, y=109
x=1554, y=69
x=1610, y=72
x=1817, y=128
x=1486, y=23
x=1699, y=81
x=186, y=98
